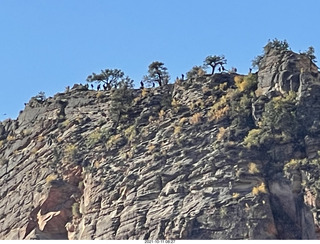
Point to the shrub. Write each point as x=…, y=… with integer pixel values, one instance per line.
x=183, y=120
x=130, y=132
x=259, y=189
x=51, y=178
x=71, y=151
x=223, y=86
x=292, y=164
x=252, y=168
x=40, y=138
x=195, y=72
x=151, y=148
x=252, y=139
x=221, y=133
x=218, y=113
x=245, y=83
x=120, y=107
x=11, y=138
x=235, y=195
x=177, y=129
x=81, y=185
x=310, y=54
x=100, y=94
x=34, y=150
x=66, y=123
x=223, y=212
x=161, y=114
x=113, y=140
x=76, y=210
x=195, y=119
x=27, y=132
x=97, y=136
x=175, y=103
x=144, y=92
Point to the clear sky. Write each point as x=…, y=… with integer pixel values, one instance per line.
x=46, y=45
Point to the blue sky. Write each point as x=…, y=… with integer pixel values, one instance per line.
x=46, y=45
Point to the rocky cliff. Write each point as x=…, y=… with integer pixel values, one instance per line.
x=223, y=156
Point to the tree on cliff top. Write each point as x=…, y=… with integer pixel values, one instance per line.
x=110, y=77
x=214, y=61
x=310, y=54
x=275, y=44
x=158, y=73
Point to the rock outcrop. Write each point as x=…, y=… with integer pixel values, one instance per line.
x=197, y=159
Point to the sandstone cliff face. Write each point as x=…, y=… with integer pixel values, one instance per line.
x=179, y=165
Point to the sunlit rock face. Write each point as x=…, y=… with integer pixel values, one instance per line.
x=203, y=158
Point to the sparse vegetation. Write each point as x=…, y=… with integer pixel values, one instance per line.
x=162, y=115
x=113, y=140
x=66, y=123
x=221, y=133
x=151, y=148
x=97, y=136
x=2, y=142
x=195, y=119
x=183, y=120
x=253, y=168
x=253, y=138
x=100, y=94
x=235, y=195
x=177, y=129
x=51, y=178
x=71, y=151
x=130, y=133
x=11, y=138
x=256, y=190
x=279, y=123
x=144, y=92
x=218, y=111
x=195, y=72
x=246, y=83
x=76, y=210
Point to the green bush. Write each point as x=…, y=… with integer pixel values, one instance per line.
x=76, y=210
x=279, y=123
x=98, y=136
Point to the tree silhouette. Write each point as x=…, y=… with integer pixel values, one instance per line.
x=157, y=72
x=121, y=100
x=310, y=54
x=276, y=44
x=214, y=61
x=109, y=77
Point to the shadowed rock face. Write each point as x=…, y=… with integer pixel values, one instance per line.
x=176, y=167
x=283, y=71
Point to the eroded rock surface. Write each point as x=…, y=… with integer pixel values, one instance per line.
x=177, y=166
